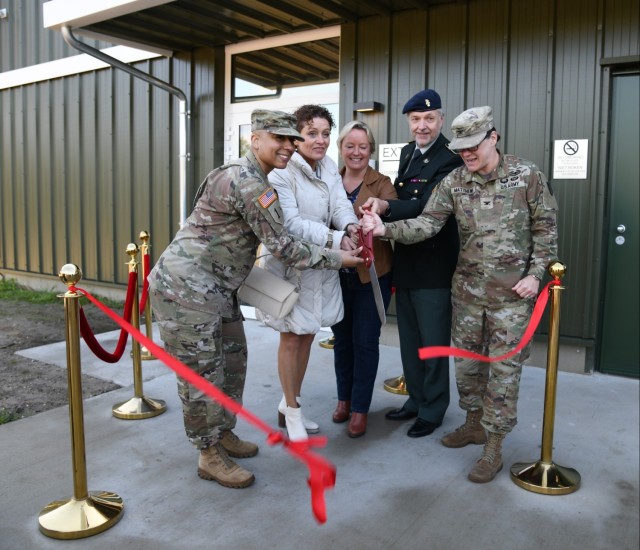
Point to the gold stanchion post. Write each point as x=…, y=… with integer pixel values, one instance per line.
x=396, y=385
x=85, y=514
x=145, y=354
x=139, y=406
x=544, y=476
x=327, y=343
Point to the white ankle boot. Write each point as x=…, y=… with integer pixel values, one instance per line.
x=310, y=426
x=295, y=427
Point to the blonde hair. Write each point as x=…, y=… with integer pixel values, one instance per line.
x=356, y=125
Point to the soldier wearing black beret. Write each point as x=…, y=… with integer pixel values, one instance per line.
x=422, y=272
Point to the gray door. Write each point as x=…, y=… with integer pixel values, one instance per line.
x=619, y=342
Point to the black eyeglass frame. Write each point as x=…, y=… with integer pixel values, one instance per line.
x=474, y=148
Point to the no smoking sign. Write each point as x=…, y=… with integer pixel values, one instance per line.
x=570, y=158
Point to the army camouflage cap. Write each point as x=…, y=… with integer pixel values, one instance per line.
x=275, y=122
x=470, y=127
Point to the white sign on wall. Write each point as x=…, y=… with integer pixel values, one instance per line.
x=389, y=159
x=570, y=158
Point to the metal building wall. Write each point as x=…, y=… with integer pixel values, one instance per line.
x=538, y=66
x=88, y=161
x=23, y=39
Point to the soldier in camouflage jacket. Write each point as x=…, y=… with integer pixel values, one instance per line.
x=194, y=283
x=506, y=215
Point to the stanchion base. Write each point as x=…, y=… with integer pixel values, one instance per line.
x=76, y=519
x=138, y=408
x=327, y=343
x=396, y=385
x=145, y=354
x=546, y=478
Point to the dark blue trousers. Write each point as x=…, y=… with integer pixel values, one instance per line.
x=357, y=338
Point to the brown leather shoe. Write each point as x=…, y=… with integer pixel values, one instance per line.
x=341, y=414
x=357, y=424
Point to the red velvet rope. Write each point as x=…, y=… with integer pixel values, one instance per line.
x=322, y=473
x=146, y=269
x=90, y=338
x=541, y=303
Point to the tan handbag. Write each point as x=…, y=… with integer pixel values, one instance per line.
x=268, y=293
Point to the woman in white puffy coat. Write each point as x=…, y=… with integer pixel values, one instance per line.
x=316, y=208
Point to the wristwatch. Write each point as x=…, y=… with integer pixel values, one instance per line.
x=535, y=276
x=330, y=240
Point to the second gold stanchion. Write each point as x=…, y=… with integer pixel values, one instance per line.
x=139, y=406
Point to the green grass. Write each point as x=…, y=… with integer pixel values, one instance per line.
x=7, y=416
x=11, y=290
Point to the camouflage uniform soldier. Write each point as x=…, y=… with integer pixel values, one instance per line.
x=506, y=216
x=194, y=283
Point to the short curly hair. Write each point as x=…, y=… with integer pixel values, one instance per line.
x=306, y=113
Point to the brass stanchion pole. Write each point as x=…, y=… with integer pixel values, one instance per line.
x=86, y=513
x=327, y=343
x=139, y=406
x=544, y=476
x=396, y=385
x=145, y=354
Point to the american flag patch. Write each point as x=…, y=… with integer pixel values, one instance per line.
x=267, y=198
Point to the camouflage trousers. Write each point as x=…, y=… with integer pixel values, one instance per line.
x=216, y=348
x=494, y=387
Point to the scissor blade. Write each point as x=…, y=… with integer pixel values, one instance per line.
x=377, y=294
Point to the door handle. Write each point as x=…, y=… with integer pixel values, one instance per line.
x=621, y=229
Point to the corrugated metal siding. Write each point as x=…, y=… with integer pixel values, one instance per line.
x=25, y=42
x=621, y=31
x=89, y=161
x=538, y=66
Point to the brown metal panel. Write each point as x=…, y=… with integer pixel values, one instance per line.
x=43, y=156
x=372, y=71
x=524, y=123
x=32, y=199
x=87, y=147
x=204, y=85
x=123, y=158
x=575, y=77
x=621, y=28
x=408, y=68
x=73, y=212
x=141, y=185
x=20, y=215
x=446, y=57
x=348, y=54
x=487, y=51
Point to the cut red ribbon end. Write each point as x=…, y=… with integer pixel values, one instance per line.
x=322, y=472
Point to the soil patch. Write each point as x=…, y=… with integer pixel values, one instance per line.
x=29, y=386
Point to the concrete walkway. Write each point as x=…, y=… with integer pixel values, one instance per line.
x=392, y=492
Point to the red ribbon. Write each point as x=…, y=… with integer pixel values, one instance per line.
x=92, y=342
x=541, y=303
x=322, y=473
x=146, y=265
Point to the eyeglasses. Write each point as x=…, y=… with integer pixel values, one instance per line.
x=471, y=149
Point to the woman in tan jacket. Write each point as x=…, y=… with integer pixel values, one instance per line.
x=357, y=336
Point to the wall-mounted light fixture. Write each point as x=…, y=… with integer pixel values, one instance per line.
x=367, y=107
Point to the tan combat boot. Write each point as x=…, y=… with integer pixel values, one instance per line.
x=214, y=464
x=470, y=432
x=237, y=448
x=490, y=463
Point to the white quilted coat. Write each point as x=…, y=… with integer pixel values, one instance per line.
x=311, y=205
